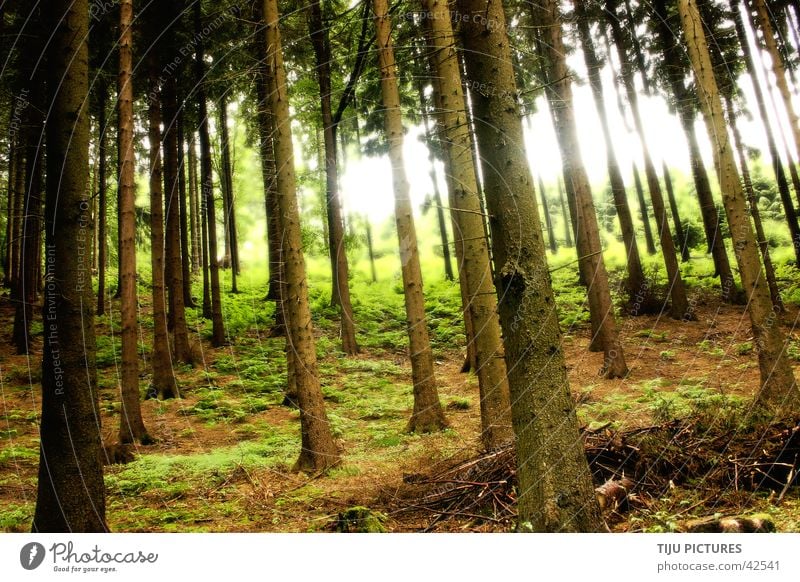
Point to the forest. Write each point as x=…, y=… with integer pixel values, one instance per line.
x=408, y=266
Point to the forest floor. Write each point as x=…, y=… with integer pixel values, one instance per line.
x=223, y=454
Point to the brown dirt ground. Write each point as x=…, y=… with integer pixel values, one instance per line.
x=268, y=497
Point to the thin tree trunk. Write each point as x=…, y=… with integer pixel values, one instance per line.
x=636, y=283
x=474, y=265
x=194, y=206
x=132, y=427
x=370, y=250
x=778, y=70
x=777, y=165
x=207, y=191
x=676, y=217
x=778, y=392
x=340, y=270
x=102, y=189
x=8, y=257
x=231, y=245
x=173, y=272
x=555, y=488
x=164, y=383
x=559, y=93
x=428, y=414
x=565, y=217
x=186, y=274
x=548, y=221
x=761, y=237
x=648, y=233
x=70, y=492
x=680, y=307
x=319, y=452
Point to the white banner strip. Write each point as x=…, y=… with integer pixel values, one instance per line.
x=402, y=557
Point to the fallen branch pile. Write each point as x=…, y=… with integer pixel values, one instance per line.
x=626, y=466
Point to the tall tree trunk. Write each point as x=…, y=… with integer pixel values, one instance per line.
x=164, y=383
x=685, y=104
x=428, y=414
x=13, y=163
x=173, y=263
x=340, y=270
x=555, y=488
x=559, y=93
x=565, y=217
x=680, y=236
x=319, y=451
x=778, y=392
x=186, y=274
x=194, y=205
x=231, y=244
x=778, y=70
x=207, y=191
x=761, y=237
x=548, y=220
x=636, y=284
x=102, y=189
x=132, y=427
x=777, y=165
x=474, y=268
x=30, y=235
x=648, y=233
x=370, y=250
x=679, y=306
x=70, y=493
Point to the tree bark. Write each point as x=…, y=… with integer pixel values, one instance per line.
x=102, y=202
x=636, y=283
x=164, y=383
x=194, y=206
x=428, y=415
x=565, y=217
x=777, y=165
x=555, y=488
x=474, y=265
x=559, y=93
x=778, y=392
x=231, y=243
x=70, y=491
x=680, y=307
x=174, y=259
x=319, y=452
x=340, y=270
x=132, y=427
x=207, y=190
x=186, y=274
x=548, y=220
x=752, y=199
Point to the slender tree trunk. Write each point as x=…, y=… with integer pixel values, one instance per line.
x=428, y=414
x=548, y=221
x=164, y=384
x=132, y=427
x=676, y=217
x=648, y=233
x=555, y=488
x=565, y=217
x=207, y=192
x=231, y=245
x=370, y=250
x=340, y=270
x=559, y=93
x=761, y=237
x=319, y=452
x=194, y=206
x=777, y=165
x=778, y=392
x=102, y=189
x=437, y=202
x=70, y=493
x=186, y=274
x=30, y=235
x=8, y=256
x=636, y=284
x=173, y=261
x=778, y=69
x=474, y=265
x=679, y=306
